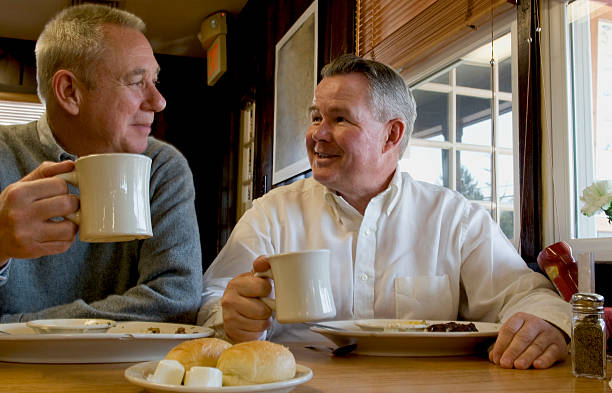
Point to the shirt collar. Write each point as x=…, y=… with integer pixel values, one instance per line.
x=393, y=191
x=333, y=200
x=390, y=197
x=50, y=145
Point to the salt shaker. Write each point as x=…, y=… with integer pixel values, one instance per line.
x=588, y=346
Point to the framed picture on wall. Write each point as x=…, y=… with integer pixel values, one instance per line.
x=295, y=79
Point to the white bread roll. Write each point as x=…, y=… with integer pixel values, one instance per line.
x=201, y=352
x=255, y=362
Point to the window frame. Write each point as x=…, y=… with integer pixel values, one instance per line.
x=442, y=65
x=561, y=196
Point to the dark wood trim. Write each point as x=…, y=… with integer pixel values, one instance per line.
x=336, y=29
x=530, y=125
x=20, y=97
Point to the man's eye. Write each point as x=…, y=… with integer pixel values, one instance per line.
x=340, y=119
x=137, y=83
x=315, y=119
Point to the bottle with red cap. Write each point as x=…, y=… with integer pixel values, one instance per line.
x=560, y=266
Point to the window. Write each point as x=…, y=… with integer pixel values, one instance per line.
x=246, y=158
x=466, y=137
x=579, y=99
x=590, y=53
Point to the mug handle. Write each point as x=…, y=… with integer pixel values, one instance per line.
x=267, y=300
x=72, y=178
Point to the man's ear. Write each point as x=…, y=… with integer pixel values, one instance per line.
x=395, y=132
x=67, y=91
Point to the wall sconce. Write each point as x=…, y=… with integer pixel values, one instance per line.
x=212, y=36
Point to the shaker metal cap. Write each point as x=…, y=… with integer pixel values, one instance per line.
x=587, y=301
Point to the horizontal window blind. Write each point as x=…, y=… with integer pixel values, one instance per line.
x=14, y=112
x=405, y=33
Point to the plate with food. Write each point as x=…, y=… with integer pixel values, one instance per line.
x=390, y=337
x=214, y=365
x=129, y=341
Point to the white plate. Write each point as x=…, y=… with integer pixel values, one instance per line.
x=74, y=325
x=138, y=373
x=124, y=342
x=417, y=343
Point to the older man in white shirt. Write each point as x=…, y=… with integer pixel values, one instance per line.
x=400, y=248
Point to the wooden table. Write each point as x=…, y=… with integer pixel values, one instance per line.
x=352, y=374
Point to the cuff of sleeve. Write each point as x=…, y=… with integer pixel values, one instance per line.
x=215, y=322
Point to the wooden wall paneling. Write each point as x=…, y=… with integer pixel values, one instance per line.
x=17, y=66
x=336, y=29
x=279, y=16
x=197, y=121
x=226, y=218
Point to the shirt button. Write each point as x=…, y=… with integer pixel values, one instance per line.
x=367, y=232
x=363, y=277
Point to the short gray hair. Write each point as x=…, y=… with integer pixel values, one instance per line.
x=74, y=40
x=390, y=98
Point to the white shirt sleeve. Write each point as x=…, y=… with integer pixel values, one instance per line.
x=497, y=281
x=244, y=245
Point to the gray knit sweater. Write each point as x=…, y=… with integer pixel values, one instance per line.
x=157, y=279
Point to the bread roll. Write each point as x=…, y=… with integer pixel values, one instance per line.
x=255, y=362
x=202, y=352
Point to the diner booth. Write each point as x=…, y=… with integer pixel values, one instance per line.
x=512, y=111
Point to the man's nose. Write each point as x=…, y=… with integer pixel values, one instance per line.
x=156, y=100
x=321, y=131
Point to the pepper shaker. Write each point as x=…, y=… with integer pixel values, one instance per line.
x=588, y=346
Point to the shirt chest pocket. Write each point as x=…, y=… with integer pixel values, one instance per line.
x=424, y=297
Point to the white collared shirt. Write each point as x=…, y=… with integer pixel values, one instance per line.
x=420, y=251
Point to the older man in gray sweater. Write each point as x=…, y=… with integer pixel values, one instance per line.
x=97, y=76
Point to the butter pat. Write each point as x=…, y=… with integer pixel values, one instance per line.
x=209, y=377
x=169, y=372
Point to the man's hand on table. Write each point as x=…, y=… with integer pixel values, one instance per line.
x=245, y=316
x=26, y=208
x=525, y=340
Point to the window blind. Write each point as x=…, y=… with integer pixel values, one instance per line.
x=14, y=112
x=405, y=33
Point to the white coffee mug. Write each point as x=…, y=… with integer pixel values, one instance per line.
x=302, y=286
x=114, y=194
